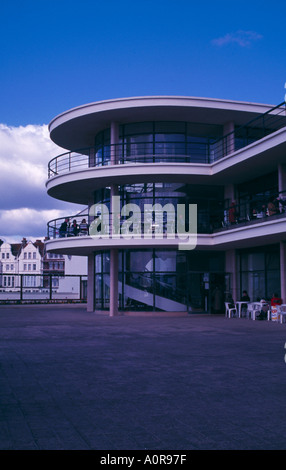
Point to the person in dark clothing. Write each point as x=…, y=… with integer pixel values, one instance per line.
x=63, y=228
x=74, y=228
x=245, y=297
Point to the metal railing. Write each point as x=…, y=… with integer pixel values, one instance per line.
x=195, y=151
x=135, y=152
x=21, y=288
x=254, y=130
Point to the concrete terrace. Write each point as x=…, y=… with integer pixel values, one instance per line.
x=72, y=380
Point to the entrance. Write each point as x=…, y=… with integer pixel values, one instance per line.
x=218, y=289
x=206, y=292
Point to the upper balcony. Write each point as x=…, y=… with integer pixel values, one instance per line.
x=74, y=175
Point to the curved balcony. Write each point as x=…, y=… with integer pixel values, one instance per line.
x=253, y=220
x=186, y=149
x=125, y=153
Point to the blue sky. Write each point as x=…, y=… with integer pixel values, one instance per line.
x=59, y=54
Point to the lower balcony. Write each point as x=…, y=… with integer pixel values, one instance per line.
x=82, y=234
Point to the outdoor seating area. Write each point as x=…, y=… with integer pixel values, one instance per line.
x=262, y=310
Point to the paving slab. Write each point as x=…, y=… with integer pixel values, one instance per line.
x=73, y=380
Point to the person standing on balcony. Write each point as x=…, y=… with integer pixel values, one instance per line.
x=272, y=209
x=63, y=228
x=75, y=228
x=83, y=227
x=232, y=213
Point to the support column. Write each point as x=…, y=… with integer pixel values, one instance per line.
x=281, y=177
x=229, y=141
x=91, y=161
x=90, y=283
x=229, y=192
x=113, y=308
x=283, y=271
x=229, y=195
x=114, y=139
x=231, y=267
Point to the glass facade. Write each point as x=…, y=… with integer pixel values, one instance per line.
x=209, y=200
x=159, y=141
x=163, y=280
x=260, y=272
x=255, y=194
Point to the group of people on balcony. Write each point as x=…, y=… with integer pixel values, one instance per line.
x=73, y=229
x=275, y=205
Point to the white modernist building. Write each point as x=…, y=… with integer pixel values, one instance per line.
x=184, y=196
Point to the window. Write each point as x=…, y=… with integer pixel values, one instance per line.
x=7, y=255
x=25, y=255
x=7, y=267
x=12, y=267
x=3, y=255
x=34, y=255
x=29, y=267
x=34, y=267
x=29, y=255
x=25, y=267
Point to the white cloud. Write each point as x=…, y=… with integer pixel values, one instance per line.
x=242, y=38
x=25, y=207
x=24, y=156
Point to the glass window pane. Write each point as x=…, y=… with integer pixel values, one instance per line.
x=139, y=261
x=165, y=261
x=138, y=128
x=169, y=127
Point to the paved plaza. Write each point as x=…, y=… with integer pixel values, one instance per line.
x=73, y=380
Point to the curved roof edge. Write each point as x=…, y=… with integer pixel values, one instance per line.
x=83, y=120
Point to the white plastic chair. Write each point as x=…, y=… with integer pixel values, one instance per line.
x=229, y=312
x=253, y=309
x=282, y=312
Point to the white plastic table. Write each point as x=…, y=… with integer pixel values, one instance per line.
x=239, y=304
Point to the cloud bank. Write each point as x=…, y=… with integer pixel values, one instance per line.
x=242, y=38
x=25, y=207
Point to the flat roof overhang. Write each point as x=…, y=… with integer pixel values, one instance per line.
x=76, y=128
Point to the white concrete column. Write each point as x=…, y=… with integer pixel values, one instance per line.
x=283, y=271
x=113, y=308
x=229, y=192
x=229, y=141
x=114, y=210
x=91, y=161
x=231, y=267
x=229, y=195
x=90, y=283
x=281, y=177
x=114, y=139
